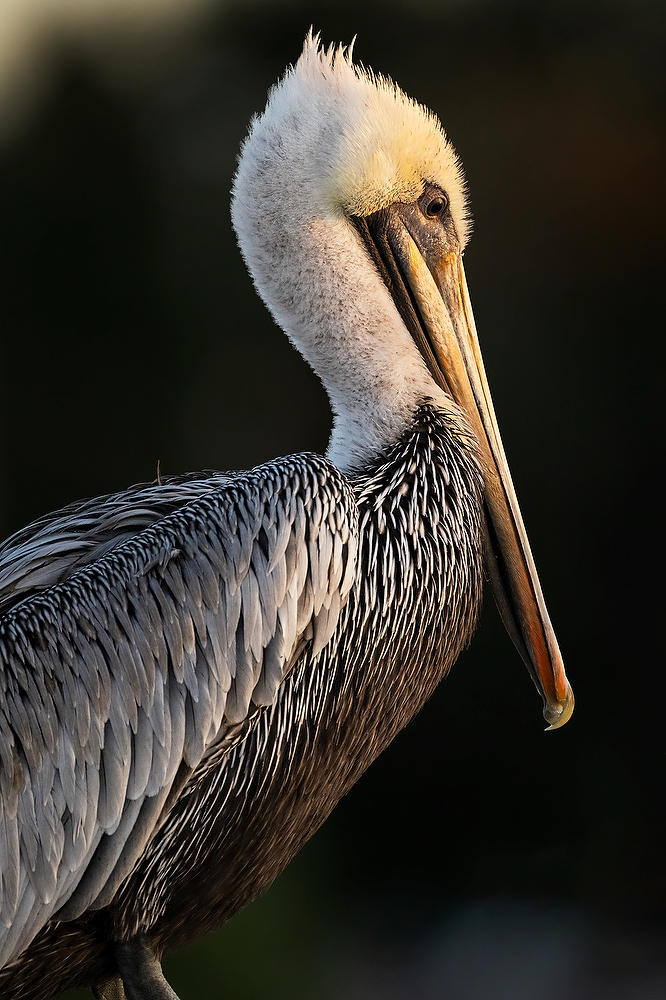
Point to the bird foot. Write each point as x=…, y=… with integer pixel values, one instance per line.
x=141, y=976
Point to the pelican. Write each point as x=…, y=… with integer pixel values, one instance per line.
x=194, y=672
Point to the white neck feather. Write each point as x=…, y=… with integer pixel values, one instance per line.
x=325, y=293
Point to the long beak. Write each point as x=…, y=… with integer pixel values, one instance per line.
x=446, y=335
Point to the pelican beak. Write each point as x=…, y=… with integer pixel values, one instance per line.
x=430, y=289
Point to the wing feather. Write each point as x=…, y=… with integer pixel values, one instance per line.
x=137, y=629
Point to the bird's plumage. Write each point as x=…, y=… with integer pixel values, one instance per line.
x=50, y=549
x=136, y=663
x=255, y=780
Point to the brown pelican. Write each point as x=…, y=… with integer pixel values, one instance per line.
x=193, y=673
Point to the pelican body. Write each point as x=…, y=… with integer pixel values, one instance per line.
x=193, y=673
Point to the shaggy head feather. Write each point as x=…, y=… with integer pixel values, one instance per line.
x=388, y=144
x=376, y=146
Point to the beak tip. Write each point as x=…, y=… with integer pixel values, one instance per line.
x=559, y=713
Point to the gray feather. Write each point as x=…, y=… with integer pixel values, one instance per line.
x=136, y=629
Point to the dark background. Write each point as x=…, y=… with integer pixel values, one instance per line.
x=479, y=858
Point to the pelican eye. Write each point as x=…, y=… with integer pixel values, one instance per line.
x=433, y=203
x=436, y=206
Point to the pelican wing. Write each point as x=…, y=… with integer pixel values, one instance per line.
x=50, y=549
x=116, y=680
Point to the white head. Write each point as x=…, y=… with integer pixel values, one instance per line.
x=336, y=142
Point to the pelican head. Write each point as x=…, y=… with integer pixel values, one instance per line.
x=350, y=209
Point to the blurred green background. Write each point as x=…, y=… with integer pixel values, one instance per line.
x=479, y=859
